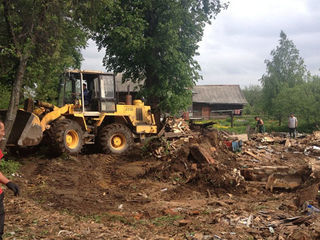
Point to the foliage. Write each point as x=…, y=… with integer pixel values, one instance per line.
x=245, y=122
x=155, y=41
x=34, y=35
x=299, y=100
x=253, y=95
x=287, y=87
x=5, y=95
x=9, y=167
x=45, y=33
x=285, y=70
x=166, y=220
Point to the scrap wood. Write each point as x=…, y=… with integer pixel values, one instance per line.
x=267, y=139
x=296, y=220
x=225, y=133
x=162, y=131
x=222, y=203
x=289, y=181
x=175, y=135
x=177, y=125
x=287, y=143
x=262, y=173
x=242, y=137
x=253, y=155
x=316, y=134
x=256, y=183
x=315, y=167
x=289, y=221
x=201, y=154
x=174, y=125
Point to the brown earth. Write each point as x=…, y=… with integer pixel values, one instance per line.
x=137, y=196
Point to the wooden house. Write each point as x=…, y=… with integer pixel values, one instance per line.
x=210, y=101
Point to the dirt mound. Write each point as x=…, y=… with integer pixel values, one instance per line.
x=94, y=183
x=195, y=192
x=186, y=166
x=86, y=184
x=69, y=183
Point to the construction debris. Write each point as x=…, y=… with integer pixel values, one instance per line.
x=191, y=185
x=201, y=154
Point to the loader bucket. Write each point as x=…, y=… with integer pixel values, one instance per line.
x=26, y=130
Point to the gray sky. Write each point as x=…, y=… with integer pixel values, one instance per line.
x=236, y=44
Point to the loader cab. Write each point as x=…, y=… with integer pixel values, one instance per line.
x=92, y=92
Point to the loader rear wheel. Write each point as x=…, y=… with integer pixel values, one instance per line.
x=115, y=138
x=66, y=136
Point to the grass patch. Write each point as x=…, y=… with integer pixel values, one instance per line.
x=165, y=220
x=116, y=218
x=103, y=217
x=242, y=123
x=9, y=167
x=260, y=207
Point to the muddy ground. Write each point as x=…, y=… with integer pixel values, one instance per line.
x=138, y=196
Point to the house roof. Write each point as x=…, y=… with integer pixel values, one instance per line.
x=222, y=94
x=212, y=94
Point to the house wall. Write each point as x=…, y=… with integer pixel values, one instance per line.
x=208, y=111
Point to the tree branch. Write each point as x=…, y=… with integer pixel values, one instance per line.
x=10, y=27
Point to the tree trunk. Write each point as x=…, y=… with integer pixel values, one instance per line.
x=14, y=100
x=280, y=120
x=154, y=103
x=153, y=100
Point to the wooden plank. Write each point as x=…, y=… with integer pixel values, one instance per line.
x=201, y=154
x=253, y=155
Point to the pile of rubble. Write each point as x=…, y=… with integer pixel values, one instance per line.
x=194, y=157
x=201, y=185
x=174, y=133
x=270, y=160
x=286, y=171
x=281, y=162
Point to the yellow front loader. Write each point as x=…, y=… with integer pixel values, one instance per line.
x=89, y=114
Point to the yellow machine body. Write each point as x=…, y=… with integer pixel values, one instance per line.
x=30, y=125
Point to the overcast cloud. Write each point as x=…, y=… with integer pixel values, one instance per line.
x=235, y=46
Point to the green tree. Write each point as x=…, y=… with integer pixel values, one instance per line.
x=299, y=100
x=253, y=95
x=155, y=41
x=285, y=70
x=45, y=70
x=33, y=37
x=314, y=90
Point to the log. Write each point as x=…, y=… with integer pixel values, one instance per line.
x=201, y=154
x=262, y=173
x=253, y=155
x=290, y=181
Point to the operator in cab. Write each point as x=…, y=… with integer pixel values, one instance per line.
x=86, y=95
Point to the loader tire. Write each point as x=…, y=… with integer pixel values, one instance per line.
x=115, y=138
x=66, y=137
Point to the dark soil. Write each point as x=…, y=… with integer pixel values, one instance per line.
x=97, y=196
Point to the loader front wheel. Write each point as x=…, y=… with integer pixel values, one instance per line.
x=115, y=138
x=66, y=137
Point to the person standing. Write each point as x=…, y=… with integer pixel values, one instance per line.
x=292, y=124
x=260, y=125
x=12, y=186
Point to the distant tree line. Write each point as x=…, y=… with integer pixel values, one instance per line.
x=287, y=86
